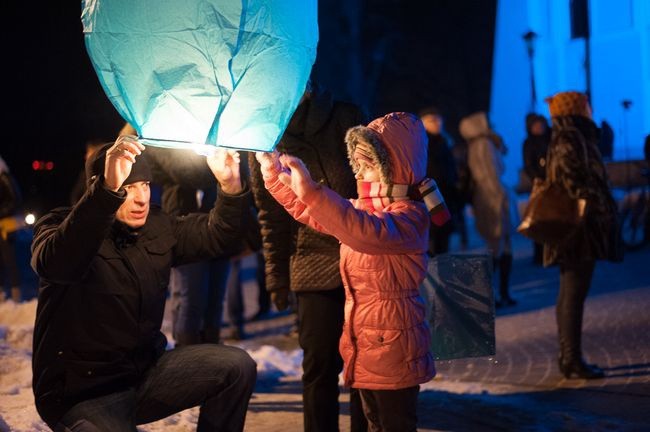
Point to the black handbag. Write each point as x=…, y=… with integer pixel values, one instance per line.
x=551, y=215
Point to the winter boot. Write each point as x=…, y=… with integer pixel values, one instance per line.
x=505, y=266
x=570, y=361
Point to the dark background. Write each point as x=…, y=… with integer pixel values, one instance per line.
x=386, y=55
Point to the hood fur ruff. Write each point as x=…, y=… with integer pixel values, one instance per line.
x=379, y=156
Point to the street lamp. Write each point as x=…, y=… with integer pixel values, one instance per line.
x=529, y=38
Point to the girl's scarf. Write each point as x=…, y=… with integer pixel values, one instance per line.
x=377, y=196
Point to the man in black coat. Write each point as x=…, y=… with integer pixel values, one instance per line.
x=99, y=358
x=299, y=259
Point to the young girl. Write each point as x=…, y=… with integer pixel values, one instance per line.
x=384, y=240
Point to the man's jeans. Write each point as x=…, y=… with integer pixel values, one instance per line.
x=219, y=378
x=197, y=293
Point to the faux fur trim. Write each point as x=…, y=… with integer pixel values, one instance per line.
x=380, y=155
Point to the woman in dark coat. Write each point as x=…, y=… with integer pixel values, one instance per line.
x=575, y=163
x=534, y=151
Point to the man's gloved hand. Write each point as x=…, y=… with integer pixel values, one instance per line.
x=280, y=299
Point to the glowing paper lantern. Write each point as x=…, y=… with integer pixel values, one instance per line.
x=222, y=72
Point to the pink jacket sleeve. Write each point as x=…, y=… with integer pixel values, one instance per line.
x=401, y=229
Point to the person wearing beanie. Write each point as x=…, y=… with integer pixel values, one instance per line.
x=574, y=162
x=490, y=196
x=384, y=242
x=99, y=358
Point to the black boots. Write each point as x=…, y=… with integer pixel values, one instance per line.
x=504, y=264
x=574, y=285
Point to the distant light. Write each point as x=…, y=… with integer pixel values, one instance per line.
x=30, y=219
x=41, y=165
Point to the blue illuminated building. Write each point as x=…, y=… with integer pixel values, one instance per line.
x=619, y=54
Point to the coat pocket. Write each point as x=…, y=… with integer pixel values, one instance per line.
x=87, y=376
x=381, y=351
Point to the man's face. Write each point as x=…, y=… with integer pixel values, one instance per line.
x=432, y=123
x=134, y=211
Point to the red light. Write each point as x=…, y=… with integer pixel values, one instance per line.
x=36, y=165
x=49, y=165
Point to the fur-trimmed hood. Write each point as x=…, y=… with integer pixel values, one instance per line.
x=474, y=126
x=399, y=144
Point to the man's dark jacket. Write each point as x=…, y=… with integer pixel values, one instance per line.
x=103, y=288
x=296, y=256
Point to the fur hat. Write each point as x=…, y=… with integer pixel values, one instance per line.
x=569, y=103
x=140, y=170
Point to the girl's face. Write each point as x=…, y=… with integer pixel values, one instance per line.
x=367, y=172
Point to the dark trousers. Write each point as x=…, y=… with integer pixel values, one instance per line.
x=320, y=316
x=575, y=280
x=439, y=239
x=235, y=297
x=197, y=292
x=391, y=410
x=218, y=378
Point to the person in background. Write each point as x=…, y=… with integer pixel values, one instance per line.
x=464, y=188
x=490, y=197
x=534, y=153
x=441, y=166
x=299, y=259
x=10, y=221
x=574, y=163
x=384, y=238
x=196, y=289
x=234, y=287
x=99, y=358
x=606, y=140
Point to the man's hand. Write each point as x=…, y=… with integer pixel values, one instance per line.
x=225, y=167
x=280, y=299
x=119, y=160
x=296, y=176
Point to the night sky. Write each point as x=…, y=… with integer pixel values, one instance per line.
x=385, y=55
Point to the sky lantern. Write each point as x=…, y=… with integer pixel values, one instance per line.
x=192, y=73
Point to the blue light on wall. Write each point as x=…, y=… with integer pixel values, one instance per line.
x=620, y=69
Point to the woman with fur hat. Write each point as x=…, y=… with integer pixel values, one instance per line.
x=384, y=240
x=574, y=162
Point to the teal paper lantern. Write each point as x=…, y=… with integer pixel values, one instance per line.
x=186, y=73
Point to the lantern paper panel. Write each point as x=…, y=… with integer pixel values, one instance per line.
x=195, y=72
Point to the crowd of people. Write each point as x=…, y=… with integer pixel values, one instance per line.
x=342, y=218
